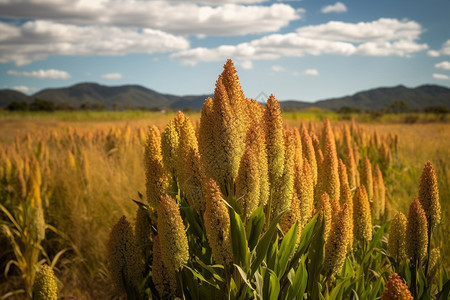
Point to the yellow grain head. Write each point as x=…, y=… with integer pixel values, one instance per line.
x=323, y=207
x=229, y=136
x=233, y=87
x=336, y=247
x=366, y=177
x=309, y=153
x=386, y=153
x=217, y=224
x=433, y=264
x=429, y=195
x=45, y=287
x=298, y=157
x=330, y=168
x=174, y=244
x=396, y=246
x=352, y=170
x=123, y=256
x=379, y=194
x=274, y=139
x=304, y=188
x=346, y=197
x=347, y=141
x=357, y=157
x=316, y=144
x=165, y=280
x=34, y=200
x=206, y=139
x=170, y=139
x=416, y=233
x=157, y=180
x=256, y=140
x=362, y=223
x=248, y=184
x=388, y=211
x=396, y=289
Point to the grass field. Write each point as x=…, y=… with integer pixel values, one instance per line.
x=95, y=169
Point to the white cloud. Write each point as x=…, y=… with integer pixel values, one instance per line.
x=176, y=17
x=440, y=76
x=338, y=7
x=246, y=65
x=35, y=40
x=42, y=74
x=383, y=37
x=278, y=68
x=22, y=88
x=443, y=52
x=311, y=72
x=112, y=76
x=445, y=65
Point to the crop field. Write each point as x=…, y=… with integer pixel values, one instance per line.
x=240, y=201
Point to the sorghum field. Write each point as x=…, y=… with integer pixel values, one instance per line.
x=238, y=202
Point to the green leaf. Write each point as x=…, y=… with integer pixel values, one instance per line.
x=263, y=244
x=274, y=285
x=316, y=257
x=241, y=253
x=298, y=287
x=200, y=277
x=444, y=294
x=338, y=290
x=255, y=226
x=286, y=248
x=243, y=276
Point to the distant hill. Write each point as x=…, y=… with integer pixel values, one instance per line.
x=135, y=96
x=380, y=98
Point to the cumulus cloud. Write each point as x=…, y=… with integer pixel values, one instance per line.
x=42, y=74
x=246, y=65
x=176, y=17
x=440, y=76
x=338, y=7
x=35, y=40
x=443, y=52
x=22, y=88
x=112, y=76
x=311, y=72
x=278, y=68
x=383, y=37
x=445, y=65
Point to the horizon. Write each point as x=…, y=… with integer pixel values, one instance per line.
x=297, y=50
x=209, y=94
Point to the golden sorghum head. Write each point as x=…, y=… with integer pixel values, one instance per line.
x=255, y=139
x=366, y=177
x=429, y=195
x=309, y=153
x=433, y=264
x=352, y=171
x=362, y=223
x=379, y=194
x=174, y=244
x=347, y=136
x=217, y=224
x=164, y=279
x=248, y=184
x=45, y=287
x=274, y=139
x=323, y=207
x=206, y=139
x=346, y=197
x=330, y=168
x=229, y=129
x=396, y=246
x=357, y=157
x=156, y=177
x=287, y=180
x=298, y=158
x=396, y=289
x=416, y=232
x=336, y=247
x=387, y=210
x=170, y=139
x=316, y=143
x=304, y=188
x=233, y=88
x=124, y=264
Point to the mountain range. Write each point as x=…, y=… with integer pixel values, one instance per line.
x=135, y=96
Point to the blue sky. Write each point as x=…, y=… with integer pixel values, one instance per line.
x=304, y=50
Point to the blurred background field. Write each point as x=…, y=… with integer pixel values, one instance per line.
x=92, y=168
